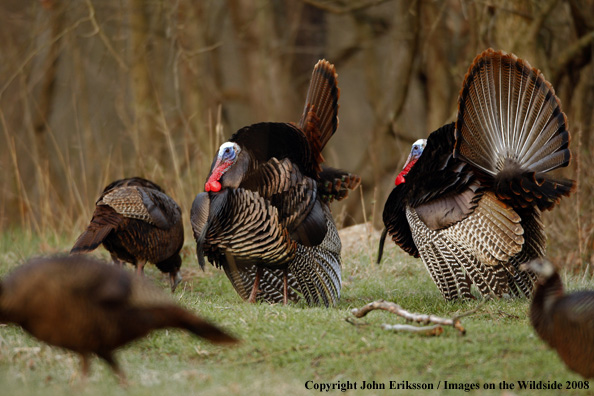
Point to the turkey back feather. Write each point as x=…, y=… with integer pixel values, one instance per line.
x=314, y=274
x=199, y=220
x=437, y=172
x=132, y=181
x=278, y=140
x=242, y=224
x=510, y=126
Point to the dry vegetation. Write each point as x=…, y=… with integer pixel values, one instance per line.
x=94, y=90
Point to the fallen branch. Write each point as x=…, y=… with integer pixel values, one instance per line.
x=434, y=330
x=412, y=317
x=355, y=323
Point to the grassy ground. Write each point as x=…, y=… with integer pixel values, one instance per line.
x=284, y=347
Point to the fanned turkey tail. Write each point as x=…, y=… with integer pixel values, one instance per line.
x=510, y=125
x=319, y=120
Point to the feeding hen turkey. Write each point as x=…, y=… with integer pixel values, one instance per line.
x=470, y=197
x=264, y=216
x=137, y=223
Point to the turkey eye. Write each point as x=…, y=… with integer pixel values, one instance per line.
x=228, y=152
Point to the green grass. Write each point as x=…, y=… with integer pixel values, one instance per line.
x=283, y=347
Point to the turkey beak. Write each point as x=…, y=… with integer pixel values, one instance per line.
x=416, y=152
x=408, y=160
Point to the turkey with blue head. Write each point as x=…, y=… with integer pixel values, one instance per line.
x=264, y=216
x=470, y=197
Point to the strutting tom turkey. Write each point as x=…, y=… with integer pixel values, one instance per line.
x=264, y=217
x=92, y=308
x=564, y=321
x=137, y=223
x=470, y=197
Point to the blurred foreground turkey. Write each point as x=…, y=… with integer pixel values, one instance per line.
x=92, y=307
x=564, y=321
x=136, y=222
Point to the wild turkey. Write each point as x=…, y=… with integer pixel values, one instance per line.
x=469, y=198
x=137, y=222
x=564, y=321
x=91, y=307
x=264, y=217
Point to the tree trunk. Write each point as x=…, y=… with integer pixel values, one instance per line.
x=145, y=132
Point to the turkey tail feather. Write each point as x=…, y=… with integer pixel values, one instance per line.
x=382, y=241
x=510, y=125
x=319, y=120
x=173, y=316
x=334, y=184
x=105, y=220
x=90, y=239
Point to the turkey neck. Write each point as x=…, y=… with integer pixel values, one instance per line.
x=545, y=296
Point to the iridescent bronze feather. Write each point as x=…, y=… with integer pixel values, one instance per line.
x=264, y=217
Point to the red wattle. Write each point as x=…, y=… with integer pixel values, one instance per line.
x=407, y=168
x=213, y=186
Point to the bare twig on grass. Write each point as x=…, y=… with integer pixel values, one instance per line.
x=434, y=330
x=355, y=323
x=414, y=317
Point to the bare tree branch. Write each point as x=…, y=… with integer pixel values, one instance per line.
x=48, y=84
x=37, y=50
x=343, y=9
x=410, y=316
x=566, y=57
x=103, y=37
x=434, y=330
x=536, y=25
